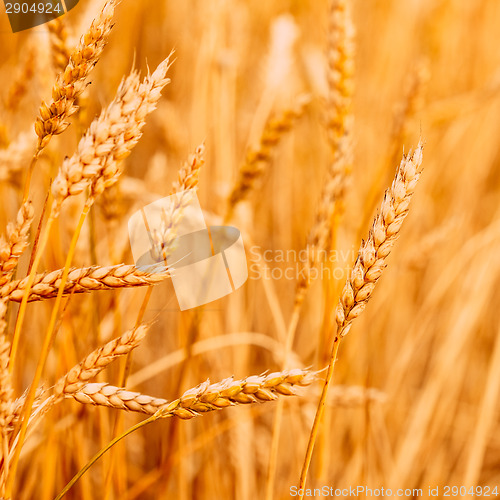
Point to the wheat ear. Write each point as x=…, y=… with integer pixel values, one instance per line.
x=61, y=52
x=16, y=242
x=203, y=398
x=331, y=198
x=85, y=279
x=257, y=158
x=340, y=59
x=10, y=251
x=73, y=80
x=95, y=362
x=81, y=373
x=15, y=157
x=189, y=173
x=22, y=82
x=370, y=262
x=339, y=126
x=188, y=178
x=367, y=270
x=110, y=138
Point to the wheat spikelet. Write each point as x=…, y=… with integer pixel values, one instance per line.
x=85, y=279
x=373, y=252
x=15, y=407
x=73, y=80
x=16, y=242
x=201, y=399
x=15, y=157
x=95, y=362
x=110, y=138
x=61, y=52
x=256, y=159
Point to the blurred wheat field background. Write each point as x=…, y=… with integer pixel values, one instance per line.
x=414, y=397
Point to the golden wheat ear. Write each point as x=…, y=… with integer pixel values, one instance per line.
x=374, y=251
x=84, y=280
x=110, y=138
x=204, y=398
x=259, y=157
x=72, y=81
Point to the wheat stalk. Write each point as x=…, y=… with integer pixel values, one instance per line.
x=85, y=279
x=367, y=270
x=201, y=399
x=73, y=80
x=6, y=390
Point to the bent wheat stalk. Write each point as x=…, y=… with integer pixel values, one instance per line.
x=367, y=270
